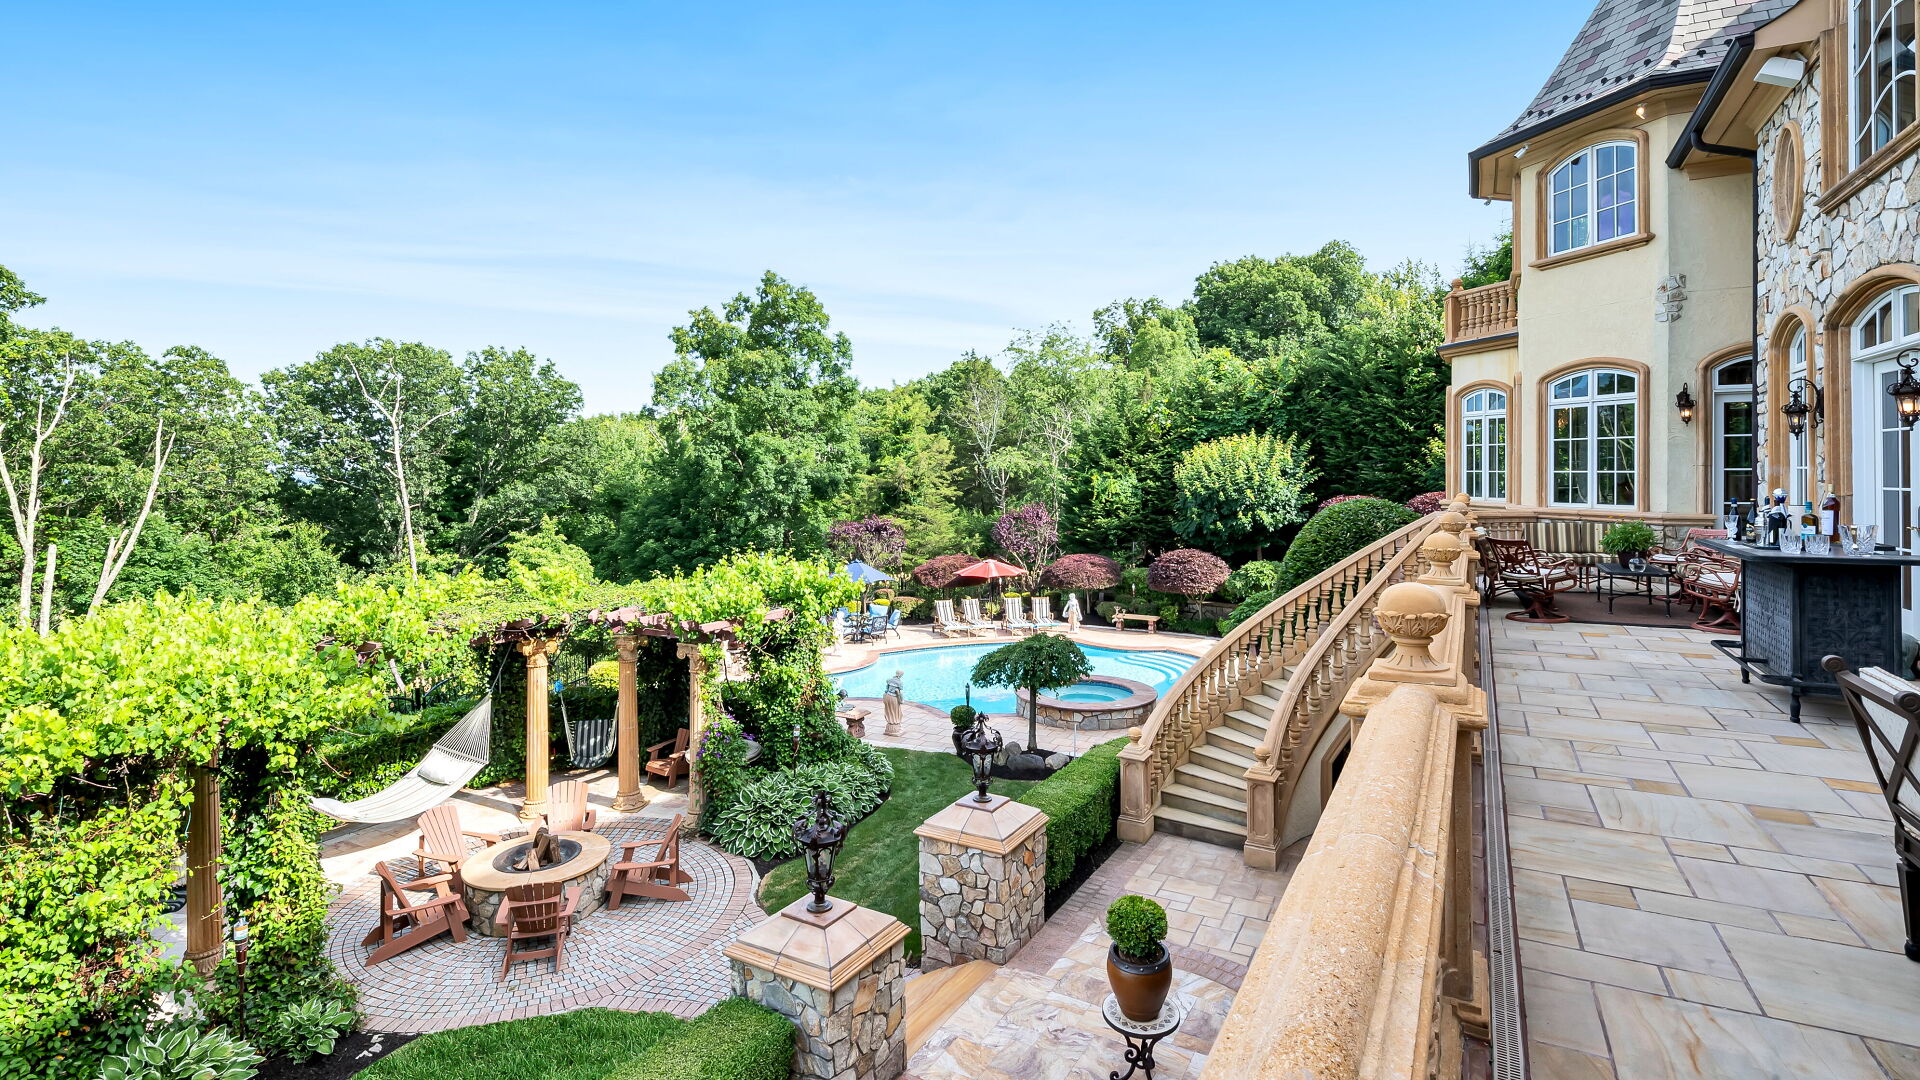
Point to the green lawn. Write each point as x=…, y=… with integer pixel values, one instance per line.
x=880, y=865
x=583, y=1045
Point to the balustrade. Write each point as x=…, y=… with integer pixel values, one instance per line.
x=1481, y=312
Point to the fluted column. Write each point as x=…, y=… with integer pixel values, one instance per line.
x=631, y=795
x=205, y=912
x=537, y=651
x=696, y=726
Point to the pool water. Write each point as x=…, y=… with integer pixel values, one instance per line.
x=938, y=676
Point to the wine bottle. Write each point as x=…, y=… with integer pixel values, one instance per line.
x=1830, y=517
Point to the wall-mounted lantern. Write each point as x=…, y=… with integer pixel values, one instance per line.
x=1906, y=389
x=1796, y=409
x=1684, y=402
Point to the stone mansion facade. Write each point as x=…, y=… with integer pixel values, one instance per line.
x=1715, y=217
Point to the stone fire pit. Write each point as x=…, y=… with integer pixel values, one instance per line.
x=486, y=877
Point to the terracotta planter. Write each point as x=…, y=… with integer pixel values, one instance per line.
x=1141, y=988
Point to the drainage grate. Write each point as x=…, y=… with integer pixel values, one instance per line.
x=1509, y=1048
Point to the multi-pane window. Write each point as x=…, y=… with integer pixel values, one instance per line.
x=1483, y=444
x=1888, y=323
x=1593, y=197
x=1595, y=438
x=1883, y=79
x=1733, y=451
x=1799, y=450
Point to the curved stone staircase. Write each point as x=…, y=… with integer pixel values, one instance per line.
x=1207, y=799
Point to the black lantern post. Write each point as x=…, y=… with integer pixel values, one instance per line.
x=239, y=933
x=978, y=744
x=1906, y=389
x=1796, y=408
x=1684, y=402
x=820, y=837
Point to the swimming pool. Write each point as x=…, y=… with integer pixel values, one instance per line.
x=938, y=676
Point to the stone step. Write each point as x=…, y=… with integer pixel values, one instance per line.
x=1221, y=759
x=1200, y=827
x=1236, y=740
x=1200, y=801
x=1247, y=721
x=1276, y=683
x=1194, y=774
x=1262, y=704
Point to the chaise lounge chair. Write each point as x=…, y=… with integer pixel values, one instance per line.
x=946, y=622
x=1043, y=613
x=970, y=614
x=1014, y=616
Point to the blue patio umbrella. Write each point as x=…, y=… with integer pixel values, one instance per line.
x=865, y=574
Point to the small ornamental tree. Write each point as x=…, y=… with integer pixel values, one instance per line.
x=937, y=573
x=1081, y=572
x=1029, y=533
x=876, y=541
x=1233, y=494
x=1036, y=663
x=1187, y=572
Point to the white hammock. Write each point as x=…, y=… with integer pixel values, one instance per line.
x=456, y=758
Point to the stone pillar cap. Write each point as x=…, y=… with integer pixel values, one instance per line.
x=824, y=951
x=995, y=827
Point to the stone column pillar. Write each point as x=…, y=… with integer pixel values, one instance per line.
x=537, y=651
x=630, y=794
x=206, y=936
x=840, y=976
x=983, y=879
x=696, y=726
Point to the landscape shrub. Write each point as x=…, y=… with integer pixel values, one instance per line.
x=937, y=573
x=758, y=823
x=1137, y=926
x=1187, y=572
x=734, y=1040
x=1252, y=578
x=1335, y=533
x=1247, y=609
x=183, y=1052
x=1081, y=572
x=1105, y=609
x=359, y=763
x=1431, y=502
x=309, y=1029
x=722, y=756
x=1082, y=803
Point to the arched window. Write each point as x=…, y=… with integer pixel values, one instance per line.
x=1882, y=61
x=1593, y=197
x=1733, y=476
x=1883, y=447
x=1483, y=444
x=1800, y=450
x=1595, y=431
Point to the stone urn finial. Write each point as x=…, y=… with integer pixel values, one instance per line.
x=1412, y=614
x=1441, y=549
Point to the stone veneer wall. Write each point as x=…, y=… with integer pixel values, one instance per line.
x=1829, y=252
x=975, y=905
x=857, y=1032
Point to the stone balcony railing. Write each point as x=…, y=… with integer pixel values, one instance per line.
x=1368, y=969
x=1483, y=312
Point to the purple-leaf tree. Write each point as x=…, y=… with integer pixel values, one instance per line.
x=1029, y=533
x=1080, y=572
x=1187, y=572
x=876, y=541
x=937, y=572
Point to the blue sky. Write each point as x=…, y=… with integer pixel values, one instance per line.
x=264, y=182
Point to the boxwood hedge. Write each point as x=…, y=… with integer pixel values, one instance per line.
x=1082, y=802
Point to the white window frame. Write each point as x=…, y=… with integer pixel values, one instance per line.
x=1577, y=395
x=1720, y=395
x=1799, y=449
x=1483, y=444
x=1886, y=491
x=1579, y=180
x=1876, y=92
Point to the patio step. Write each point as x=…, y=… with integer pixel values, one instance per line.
x=1249, y=722
x=1194, y=774
x=1223, y=759
x=1264, y=704
x=1224, y=808
x=1228, y=737
x=1195, y=826
x=936, y=995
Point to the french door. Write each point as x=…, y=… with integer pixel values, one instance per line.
x=1884, y=456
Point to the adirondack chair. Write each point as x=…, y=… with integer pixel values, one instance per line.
x=406, y=922
x=530, y=912
x=659, y=879
x=1043, y=613
x=1014, y=615
x=442, y=840
x=567, y=808
x=672, y=765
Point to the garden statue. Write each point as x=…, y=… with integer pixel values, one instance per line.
x=1072, y=613
x=890, y=702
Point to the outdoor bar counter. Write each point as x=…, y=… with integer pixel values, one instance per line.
x=1796, y=608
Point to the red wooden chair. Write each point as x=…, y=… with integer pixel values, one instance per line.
x=442, y=840
x=1713, y=581
x=406, y=922
x=537, y=911
x=567, y=809
x=658, y=879
x=668, y=766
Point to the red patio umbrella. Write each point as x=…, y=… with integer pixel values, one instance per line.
x=987, y=570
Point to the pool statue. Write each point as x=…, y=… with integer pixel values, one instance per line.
x=1071, y=613
x=890, y=702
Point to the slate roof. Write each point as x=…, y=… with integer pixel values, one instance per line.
x=1626, y=42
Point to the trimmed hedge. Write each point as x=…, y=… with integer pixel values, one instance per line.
x=1082, y=804
x=1337, y=532
x=734, y=1040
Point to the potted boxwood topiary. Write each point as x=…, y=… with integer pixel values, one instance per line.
x=1629, y=540
x=962, y=717
x=1138, y=966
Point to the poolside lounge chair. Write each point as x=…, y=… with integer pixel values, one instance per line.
x=946, y=622
x=567, y=809
x=1014, y=615
x=1043, y=613
x=442, y=839
x=970, y=614
x=660, y=879
x=406, y=922
x=537, y=911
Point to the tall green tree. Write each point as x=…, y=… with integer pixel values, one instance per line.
x=1258, y=307
x=906, y=471
x=755, y=414
x=1235, y=494
x=504, y=462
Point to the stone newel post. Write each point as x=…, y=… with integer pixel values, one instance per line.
x=630, y=795
x=840, y=976
x=539, y=742
x=983, y=879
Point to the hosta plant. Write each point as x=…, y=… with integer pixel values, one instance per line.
x=309, y=1029
x=183, y=1053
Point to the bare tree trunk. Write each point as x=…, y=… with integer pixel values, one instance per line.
x=120, y=548
x=395, y=417
x=26, y=513
x=46, y=593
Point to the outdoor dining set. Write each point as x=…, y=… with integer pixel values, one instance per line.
x=1694, y=574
